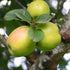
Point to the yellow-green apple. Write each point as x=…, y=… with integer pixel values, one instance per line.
x=49, y=42
x=49, y=26
x=37, y=8
x=19, y=43
x=51, y=38
x=36, y=0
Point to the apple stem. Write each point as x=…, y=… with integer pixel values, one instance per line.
x=32, y=22
x=33, y=25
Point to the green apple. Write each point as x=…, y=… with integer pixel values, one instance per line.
x=51, y=38
x=49, y=42
x=19, y=43
x=37, y=0
x=49, y=26
x=37, y=8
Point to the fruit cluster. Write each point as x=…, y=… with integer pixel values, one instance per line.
x=20, y=44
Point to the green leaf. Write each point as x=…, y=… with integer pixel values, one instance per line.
x=63, y=62
x=43, y=18
x=24, y=15
x=18, y=14
x=11, y=15
x=31, y=32
x=35, y=35
x=39, y=34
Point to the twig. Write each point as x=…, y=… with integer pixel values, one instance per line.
x=2, y=39
x=62, y=4
x=19, y=3
x=59, y=7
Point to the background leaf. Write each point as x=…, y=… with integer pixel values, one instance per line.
x=43, y=18
x=35, y=35
x=10, y=25
x=2, y=49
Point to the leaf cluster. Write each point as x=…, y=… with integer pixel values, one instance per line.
x=23, y=15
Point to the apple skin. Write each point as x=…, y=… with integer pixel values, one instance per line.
x=49, y=26
x=19, y=43
x=51, y=38
x=37, y=8
x=49, y=42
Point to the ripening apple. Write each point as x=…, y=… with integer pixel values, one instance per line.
x=19, y=43
x=49, y=42
x=49, y=26
x=51, y=38
x=37, y=8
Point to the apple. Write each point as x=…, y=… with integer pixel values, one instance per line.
x=49, y=26
x=19, y=43
x=37, y=8
x=37, y=0
x=51, y=38
x=49, y=42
